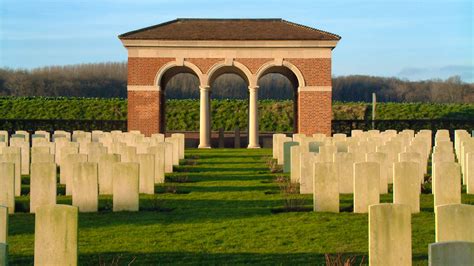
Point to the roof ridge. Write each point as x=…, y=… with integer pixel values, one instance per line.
x=234, y=19
x=310, y=28
x=149, y=27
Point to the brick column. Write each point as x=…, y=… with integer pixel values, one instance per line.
x=144, y=111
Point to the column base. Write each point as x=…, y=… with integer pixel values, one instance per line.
x=253, y=146
x=204, y=146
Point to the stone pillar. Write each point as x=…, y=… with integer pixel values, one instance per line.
x=204, y=118
x=389, y=234
x=42, y=185
x=56, y=235
x=253, y=118
x=3, y=254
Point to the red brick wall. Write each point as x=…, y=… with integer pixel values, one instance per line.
x=204, y=64
x=142, y=71
x=316, y=71
x=314, y=112
x=312, y=115
x=253, y=64
x=144, y=111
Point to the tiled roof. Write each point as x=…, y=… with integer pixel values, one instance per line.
x=229, y=29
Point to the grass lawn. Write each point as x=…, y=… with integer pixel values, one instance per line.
x=219, y=208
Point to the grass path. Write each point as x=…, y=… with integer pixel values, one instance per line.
x=217, y=208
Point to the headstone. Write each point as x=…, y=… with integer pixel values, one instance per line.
x=3, y=254
x=128, y=154
x=95, y=150
x=3, y=224
x=390, y=234
x=168, y=156
x=366, y=186
x=159, y=162
x=221, y=138
x=181, y=143
x=314, y=146
x=406, y=189
x=42, y=185
x=175, y=143
x=56, y=235
x=42, y=158
x=470, y=173
x=16, y=160
x=67, y=169
x=147, y=173
x=381, y=159
x=307, y=160
x=105, y=168
x=7, y=183
x=345, y=165
x=281, y=158
x=413, y=157
x=454, y=222
x=66, y=150
x=237, y=138
x=287, y=155
x=447, y=184
x=326, y=153
x=451, y=253
x=325, y=187
x=85, y=189
x=125, y=196
x=295, y=164
x=275, y=139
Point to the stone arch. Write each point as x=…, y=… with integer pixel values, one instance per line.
x=182, y=67
x=230, y=66
x=267, y=68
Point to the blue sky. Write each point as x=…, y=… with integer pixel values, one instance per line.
x=416, y=39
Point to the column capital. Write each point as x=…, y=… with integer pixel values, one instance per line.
x=204, y=88
x=253, y=87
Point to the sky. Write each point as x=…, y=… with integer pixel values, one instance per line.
x=409, y=39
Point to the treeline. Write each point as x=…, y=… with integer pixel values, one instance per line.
x=109, y=80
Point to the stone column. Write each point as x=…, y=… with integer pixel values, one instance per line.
x=204, y=119
x=253, y=118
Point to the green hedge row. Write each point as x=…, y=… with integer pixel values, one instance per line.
x=184, y=114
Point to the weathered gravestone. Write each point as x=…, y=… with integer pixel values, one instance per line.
x=125, y=188
x=345, y=166
x=3, y=224
x=447, y=184
x=470, y=173
x=146, y=173
x=14, y=158
x=406, y=188
x=454, y=222
x=68, y=166
x=451, y=253
x=105, y=169
x=307, y=159
x=3, y=254
x=159, y=162
x=287, y=155
x=413, y=157
x=275, y=142
x=325, y=187
x=295, y=164
x=85, y=190
x=381, y=159
x=7, y=183
x=42, y=185
x=366, y=186
x=56, y=235
x=389, y=234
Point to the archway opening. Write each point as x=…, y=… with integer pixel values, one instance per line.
x=278, y=96
x=229, y=96
x=179, y=108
